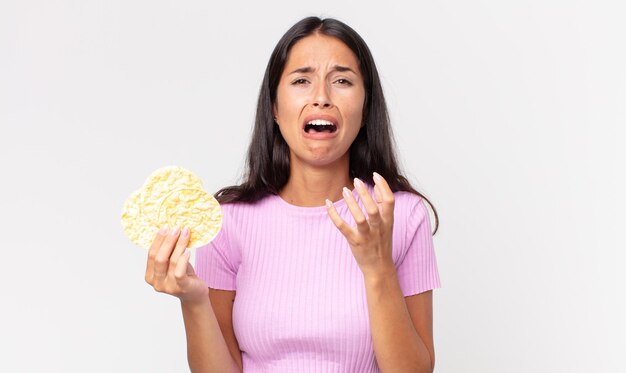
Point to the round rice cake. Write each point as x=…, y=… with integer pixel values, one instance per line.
x=135, y=226
x=184, y=203
x=161, y=182
x=195, y=209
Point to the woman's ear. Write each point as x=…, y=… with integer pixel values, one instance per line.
x=274, y=113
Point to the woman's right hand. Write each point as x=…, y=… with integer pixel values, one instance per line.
x=168, y=269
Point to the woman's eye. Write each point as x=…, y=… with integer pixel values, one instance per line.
x=299, y=81
x=343, y=81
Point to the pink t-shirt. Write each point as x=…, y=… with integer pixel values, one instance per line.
x=300, y=304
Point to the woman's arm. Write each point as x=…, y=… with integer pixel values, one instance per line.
x=168, y=271
x=222, y=302
x=401, y=328
x=207, y=350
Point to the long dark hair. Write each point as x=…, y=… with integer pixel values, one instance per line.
x=267, y=168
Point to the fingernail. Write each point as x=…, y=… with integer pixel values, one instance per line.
x=163, y=230
x=346, y=192
x=328, y=203
x=175, y=231
x=185, y=232
x=358, y=183
x=377, y=177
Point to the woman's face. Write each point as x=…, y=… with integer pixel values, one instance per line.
x=319, y=100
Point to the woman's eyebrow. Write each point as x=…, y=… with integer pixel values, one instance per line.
x=308, y=69
x=342, y=69
x=302, y=70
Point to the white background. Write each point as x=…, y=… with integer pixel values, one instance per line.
x=509, y=115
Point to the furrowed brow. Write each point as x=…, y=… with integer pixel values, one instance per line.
x=302, y=70
x=308, y=69
x=342, y=69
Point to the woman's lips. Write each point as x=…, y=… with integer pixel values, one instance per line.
x=314, y=135
x=320, y=127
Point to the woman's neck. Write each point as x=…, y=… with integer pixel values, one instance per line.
x=310, y=186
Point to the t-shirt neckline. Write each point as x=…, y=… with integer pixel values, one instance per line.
x=314, y=209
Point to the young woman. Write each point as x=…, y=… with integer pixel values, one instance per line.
x=307, y=275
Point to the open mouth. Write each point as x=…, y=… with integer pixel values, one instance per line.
x=319, y=125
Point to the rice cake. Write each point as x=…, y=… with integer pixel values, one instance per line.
x=195, y=209
x=135, y=226
x=159, y=184
x=171, y=196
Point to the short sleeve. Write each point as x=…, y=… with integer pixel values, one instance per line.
x=417, y=272
x=217, y=263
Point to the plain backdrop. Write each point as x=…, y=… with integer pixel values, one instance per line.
x=510, y=116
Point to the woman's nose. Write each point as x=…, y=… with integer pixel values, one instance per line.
x=321, y=97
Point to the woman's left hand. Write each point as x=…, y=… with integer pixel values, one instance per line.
x=371, y=239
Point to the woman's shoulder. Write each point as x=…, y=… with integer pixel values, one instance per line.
x=408, y=205
x=407, y=198
x=238, y=214
x=233, y=209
